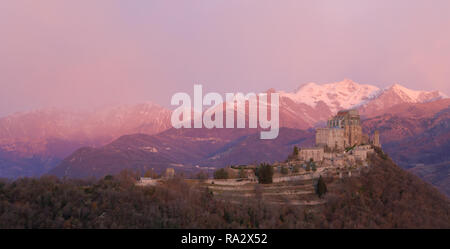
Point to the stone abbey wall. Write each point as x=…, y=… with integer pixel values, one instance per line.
x=343, y=130
x=331, y=137
x=315, y=153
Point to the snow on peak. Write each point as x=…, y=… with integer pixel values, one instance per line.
x=414, y=96
x=406, y=94
x=442, y=95
x=337, y=95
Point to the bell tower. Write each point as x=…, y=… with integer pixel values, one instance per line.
x=376, y=139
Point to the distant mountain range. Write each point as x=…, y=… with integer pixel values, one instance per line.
x=33, y=142
x=140, y=136
x=183, y=149
x=417, y=136
x=312, y=104
x=348, y=94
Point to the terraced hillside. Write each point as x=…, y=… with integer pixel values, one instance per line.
x=300, y=192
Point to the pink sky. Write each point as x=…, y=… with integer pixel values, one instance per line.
x=91, y=53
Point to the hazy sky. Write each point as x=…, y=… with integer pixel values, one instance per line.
x=90, y=53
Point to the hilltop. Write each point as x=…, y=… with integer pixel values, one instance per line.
x=383, y=197
x=386, y=197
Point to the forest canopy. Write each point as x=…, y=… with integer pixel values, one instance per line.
x=384, y=197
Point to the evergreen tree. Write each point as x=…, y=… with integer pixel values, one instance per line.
x=148, y=173
x=201, y=175
x=313, y=166
x=321, y=187
x=265, y=173
x=221, y=174
x=242, y=173
x=295, y=152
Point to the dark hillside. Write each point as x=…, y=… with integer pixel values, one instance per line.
x=383, y=197
x=386, y=197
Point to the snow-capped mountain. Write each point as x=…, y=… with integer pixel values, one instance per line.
x=412, y=96
x=35, y=141
x=395, y=95
x=338, y=95
x=309, y=104
x=93, y=127
x=348, y=94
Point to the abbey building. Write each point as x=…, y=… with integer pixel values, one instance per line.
x=343, y=133
x=343, y=130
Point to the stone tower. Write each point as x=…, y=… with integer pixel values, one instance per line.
x=349, y=121
x=376, y=139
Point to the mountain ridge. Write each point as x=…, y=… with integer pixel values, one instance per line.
x=404, y=125
x=51, y=135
